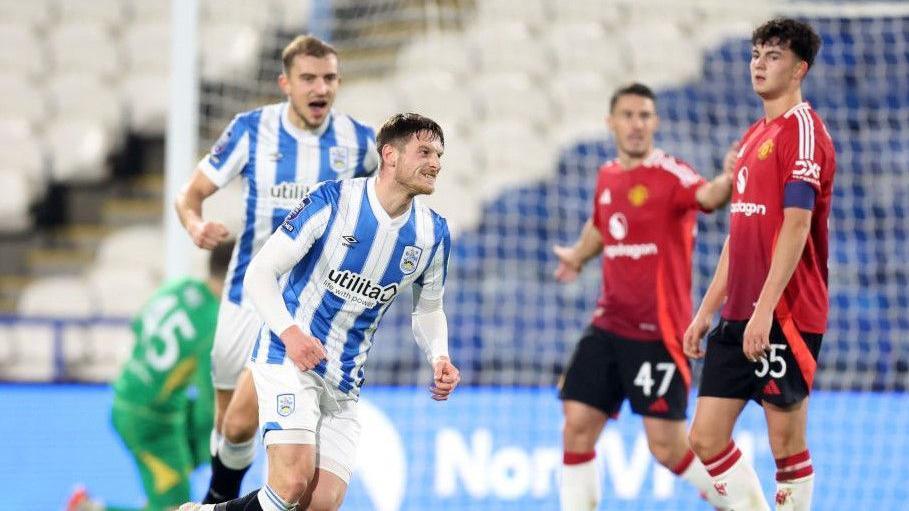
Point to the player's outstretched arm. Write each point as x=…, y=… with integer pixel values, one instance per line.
x=789, y=247
x=572, y=259
x=279, y=254
x=716, y=193
x=713, y=299
x=189, y=201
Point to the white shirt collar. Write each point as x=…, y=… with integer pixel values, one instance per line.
x=380, y=213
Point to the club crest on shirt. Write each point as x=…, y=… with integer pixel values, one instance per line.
x=338, y=158
x=410, y=259
x=286, y=404
x=638, y=195
x=765, y=149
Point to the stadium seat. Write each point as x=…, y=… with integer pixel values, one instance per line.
x=143, y=11
x=119, y=291
x=372, y=102
x=137, y=247
x=14, y=215
x=237, y=12
x=511, y=96
x=438, y=95
x=84, y=47
x=109, y=347
x=666, y=56
x=31, y=351
x=110, y=13
x=513, y=152
x=78, y=150
x=582, y=96
x=65, y=297
x=22, y=99
x=587, y=45
x=439, y=52
x=294, y=14
x=610, y=14
x=21, y=52
x=146, y=95
x=147, y=44
x=229, y=51
x=509, y=46
x=532, y=12
x=86, y=96
x=21, y=152
x=35, y=15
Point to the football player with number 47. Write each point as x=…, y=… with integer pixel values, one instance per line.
x=643, y=223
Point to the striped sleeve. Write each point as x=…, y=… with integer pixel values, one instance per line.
x=432, y=280
x=229, y=154
x=799, y=153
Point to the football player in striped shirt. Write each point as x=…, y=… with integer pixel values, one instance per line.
x=322, y=283
x=771, y=280
x=279, y=151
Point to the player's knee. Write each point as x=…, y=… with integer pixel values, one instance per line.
x=663, y=451
x=579, y=432
x=239, y=427
x=786, y=442
x=704, y=444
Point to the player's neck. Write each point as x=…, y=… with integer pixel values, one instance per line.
x=628, y=161
x=394, y=199
x=778, y=106
x=215, y=285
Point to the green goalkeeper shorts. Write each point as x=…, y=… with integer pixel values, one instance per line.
x=161, y=448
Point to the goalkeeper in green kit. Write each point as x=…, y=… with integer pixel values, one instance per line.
x=165, y=429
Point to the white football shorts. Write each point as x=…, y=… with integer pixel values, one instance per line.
x=236, y=333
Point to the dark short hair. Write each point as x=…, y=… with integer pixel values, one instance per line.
x=633, y=89
x=398, y=129
x=797, y=35
x=219, y=259
x=305, y=45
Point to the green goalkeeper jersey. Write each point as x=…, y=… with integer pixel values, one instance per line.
x=174, y=334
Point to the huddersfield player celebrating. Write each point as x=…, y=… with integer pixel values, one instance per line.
x=643, y=222
x=279, y=151
x=771, y=280
x=322, y=283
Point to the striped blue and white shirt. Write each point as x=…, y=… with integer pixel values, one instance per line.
x=278, y=163
x=345, y=262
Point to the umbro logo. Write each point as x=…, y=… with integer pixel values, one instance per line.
x=349, y=240
x=276, y=156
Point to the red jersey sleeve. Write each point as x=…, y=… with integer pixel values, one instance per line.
x=800, y=157
x=684, y=195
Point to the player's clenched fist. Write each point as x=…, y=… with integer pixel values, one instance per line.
x=304, y=350
x=208, y=235
x=691, y=343
x=445, y=378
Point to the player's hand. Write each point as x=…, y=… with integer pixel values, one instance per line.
x=445, y=377
x=756, y=339
x=569, y=266
x=691, y=342
x=305, y=351
x=729, y=160
x=207, y=234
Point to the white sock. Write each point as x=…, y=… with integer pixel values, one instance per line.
x=213, y=442
x=269, y=500
x=237, y=456
x=735, y=481
x=579, y=489
x=795, y=482
x=690, y=469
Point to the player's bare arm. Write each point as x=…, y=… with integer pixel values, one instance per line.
x=572, y=259
x=716, y=193
x=445, y=377
x=205, y=234
x=713, y=300
x=789, y=247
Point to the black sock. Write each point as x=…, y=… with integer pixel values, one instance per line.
x=248, y=502
x=225, y=482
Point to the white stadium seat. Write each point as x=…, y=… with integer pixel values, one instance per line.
x=534, y=12
x=147, y=45
x=21, y=51
x=144, y=11
x=33, y=14
x=609, y=13
x=229, y=52
x=582, y=96
x=588, y=46
x=513, y=153
x=146, y=96
x=78, y=150
x=509, y=46
x=32, y=354
x=17, y=193
x=87, y=96
x=438, y=51
x=250, y=12
x=293, y=15
x=111, y=13
x=20, y=98
x=119, y=291
x=438, y=95
x=66, y=297
x=504, y=96
x=371, y=102
x=139, y=247
x=109, y=346
x=22, y=152
x=85, y=47
x=664, y=56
